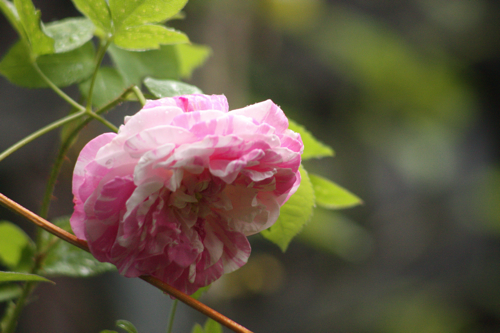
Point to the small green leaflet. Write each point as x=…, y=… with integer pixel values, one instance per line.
x=63, y=69
x=70, y=34
x=197, y=294
x=10, y=12
x=14, y=276
x=332, y=196
x=294, y=214
x=128, y=13
x=169, y=88
x=33, y=28
x=13, y=241
x=191, y=56
x=147, y=37
x=98, y=12
x=312, y=147
x=211, y=326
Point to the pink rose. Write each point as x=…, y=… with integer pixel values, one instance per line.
x=175, y=193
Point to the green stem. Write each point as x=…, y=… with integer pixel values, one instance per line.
x=100, y=55
x=41, y=132
x=103, y=121
x=10, y=321
x=172, y=316
x=139, y=95
x=56, y=89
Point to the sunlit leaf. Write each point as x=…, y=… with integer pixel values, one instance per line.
x=169, y=88
x=13, y=241
x=312, y=147
x=63, y=69
x=211, y=326
x=10, y=12
x=65, y=259
x=147, y=37
x=15, y=276
x=294, y=214
x=109, y=84
x=191, y=56
x=97, y=11
x=30, y=19
x=70, y=34
x=126, y=325
x=9, y=291
x=127, y=13
x=330, y=195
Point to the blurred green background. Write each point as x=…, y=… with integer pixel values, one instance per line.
x=406, y=92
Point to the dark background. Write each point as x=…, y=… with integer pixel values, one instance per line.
x=406, y=92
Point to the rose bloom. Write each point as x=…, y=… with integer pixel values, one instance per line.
x=175, y=193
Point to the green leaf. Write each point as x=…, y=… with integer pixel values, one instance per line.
x=134, y=66
x=211, y=326
x=65, y=259
x=191, y=56
x=70, y=34
x=9, y=291
x=169, y=88
x=197, y=329
x=109, y=84
x=147, y=37
x=63, y=69
x=15, y=276
x=10, y=12
x=13, y=241
x=126, y=325
x=127, y=13
x=98, y=12
x=312, y=147
x=168, y=62
x=294, y=214
x=108, y=331
x=332, y=196
x=30, y=19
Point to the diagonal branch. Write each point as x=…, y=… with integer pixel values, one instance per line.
x=64, y=235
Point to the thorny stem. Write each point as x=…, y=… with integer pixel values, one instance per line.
x=172, y=316
x=66, y=236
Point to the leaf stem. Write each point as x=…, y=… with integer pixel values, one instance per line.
x=9, y=323
x=100, y=55
x=140, y=95
x=172, y=316
x=103, y=121
x=72, y=239
x=56, y=88
x=41, y=132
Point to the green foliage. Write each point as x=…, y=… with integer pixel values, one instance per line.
x=98, y=12
x=15, y=276
x=129, y=13
x=168, y=62
x=108, y=85
x=33, y=28
x=312, y=147
x=200, y=292
x=294, y=214
x=63, y=69
x=169, y=88
x=330, y=195
x=10, y=12
x=64, y=259
x=126, y=325
x=9, y=291
x=150, y=36
x=211, y=326
x=13, y=241
x=70, y=34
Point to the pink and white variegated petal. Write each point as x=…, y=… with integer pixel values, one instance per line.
x=265, y=112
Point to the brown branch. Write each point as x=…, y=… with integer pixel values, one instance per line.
x=64, y=235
